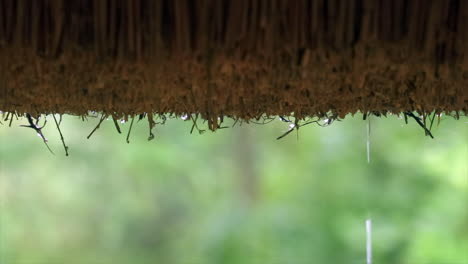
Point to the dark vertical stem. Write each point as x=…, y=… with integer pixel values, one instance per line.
x=122, y=42
x=138, y=28
x=59, y=21
x=131, y=27
x=35, y=20
x=2, y=23
x=19, y=25
x=112, y=27
x=9, y=11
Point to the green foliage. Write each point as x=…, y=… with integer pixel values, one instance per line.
x=234, y=196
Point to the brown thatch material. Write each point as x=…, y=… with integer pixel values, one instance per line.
x=240, y=58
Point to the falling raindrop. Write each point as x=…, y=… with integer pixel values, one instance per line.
x=369, y=241
x=368, y=139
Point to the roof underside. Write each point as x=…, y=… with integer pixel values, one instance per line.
x=242, y=58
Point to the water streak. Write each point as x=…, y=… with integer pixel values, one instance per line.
x=369, y=241
x=368, y=139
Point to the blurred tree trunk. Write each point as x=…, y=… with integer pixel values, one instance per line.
x=246, y=160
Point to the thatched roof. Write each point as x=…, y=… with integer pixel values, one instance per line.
x=239, y=58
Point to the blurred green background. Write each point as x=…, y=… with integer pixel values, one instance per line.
x=234, y=196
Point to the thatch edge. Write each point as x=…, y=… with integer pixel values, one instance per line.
x=384, y=79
